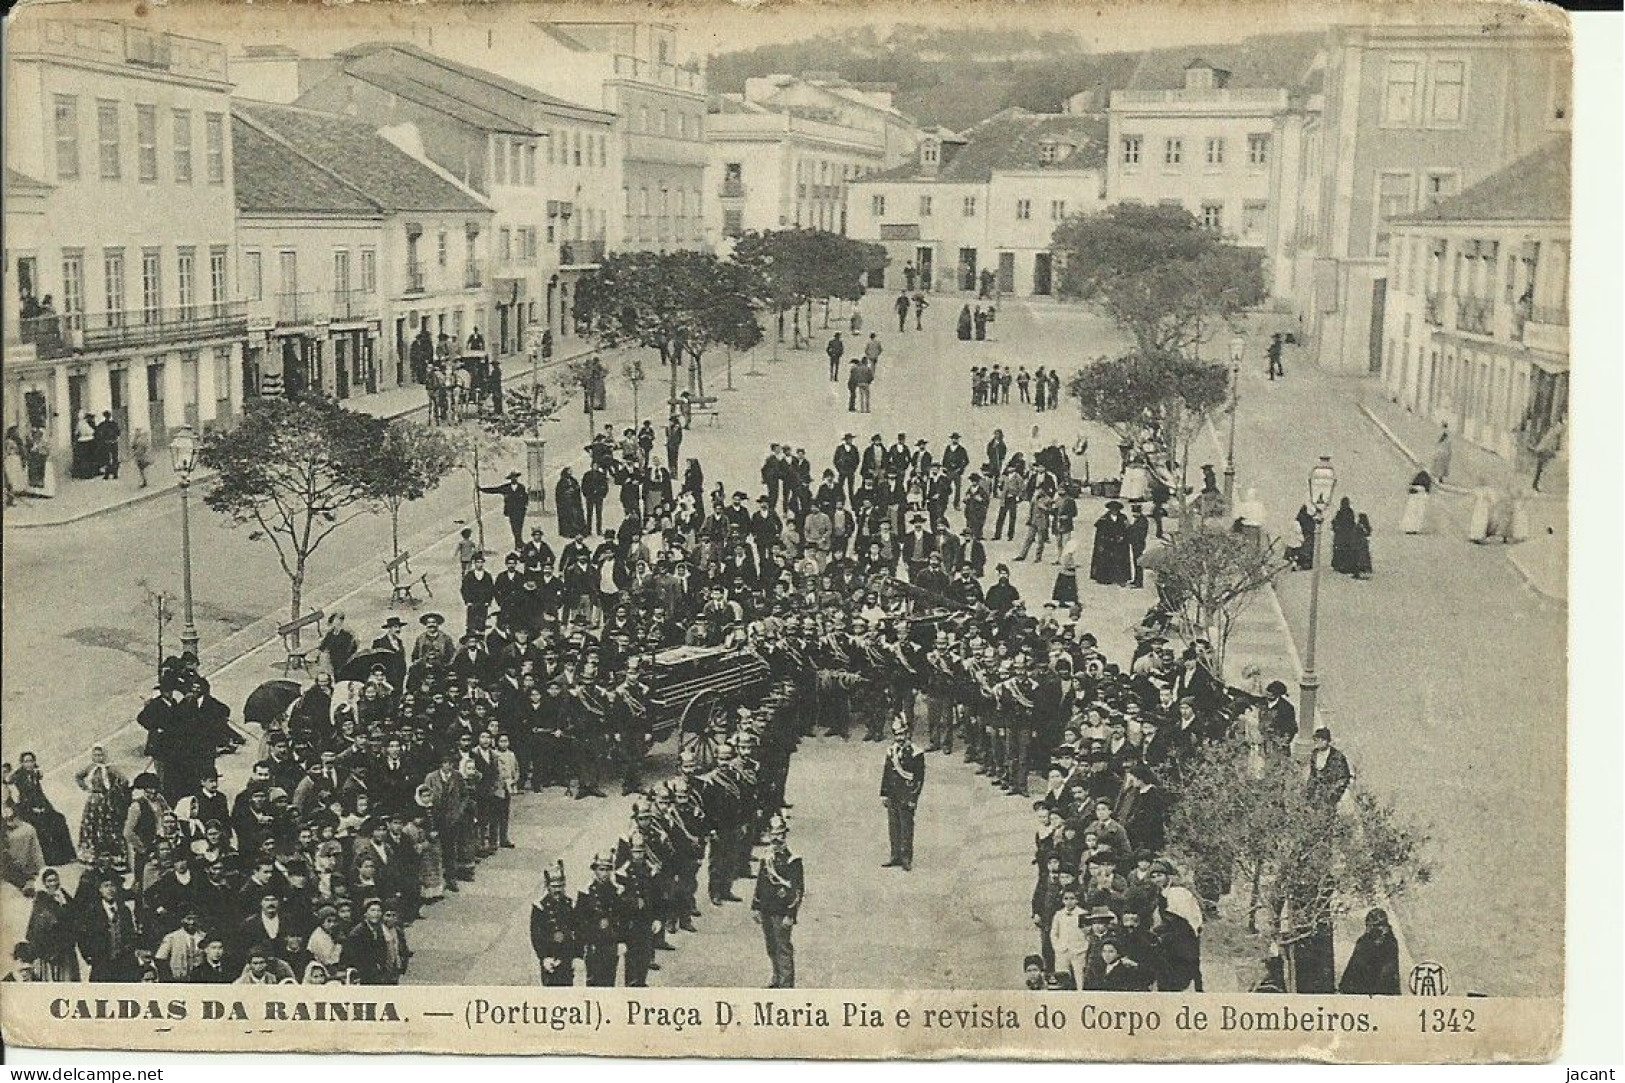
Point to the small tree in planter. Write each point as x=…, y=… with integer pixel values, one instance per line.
x=412, y=460
x=1206, y=579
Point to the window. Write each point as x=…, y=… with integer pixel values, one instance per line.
x=1557, y=109
x=66, y=112
x=1440, y=184
x=499, y=161
x=665, y=122
x=217, y=275
x=113, y=277
x=643, y=119
x=1057, y=209
x=1399, y=97
x=107, y=148
x=186, y=278
x=183, y=146
x=152, y=285
x=214, y=147
x=515, y=163
x=530, y=163
x=1047, y=152
x=970, y=207
x=146, y=143
x=222, y=379
x=287, y=271
x=1131, y=149
x=253, y=276
x=1215, y=150
x=73, y=285
x=550, y=137
x=925, y=206
x=1258, y=150
x=1024, y=209
x=1394, y=194
x=440, y=248
x=1173, y=151
x=369, y=269
x=1447, y=92
x=341, y=272
x=1213, y=216
x=930, y=152
x=575, y=148
x=505, y=244
x=528, y=234
x=877, y=206
x=733, y=223
x=1254, y=213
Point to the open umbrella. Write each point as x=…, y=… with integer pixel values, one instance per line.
x=268, y=702
x=360, y=666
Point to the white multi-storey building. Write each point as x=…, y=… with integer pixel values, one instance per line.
x=988, y=200
x=1475, y=329
x=119, y=212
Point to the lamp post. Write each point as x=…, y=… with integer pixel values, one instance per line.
x=1237, y=345
x=183, y=457
x=1322, y=484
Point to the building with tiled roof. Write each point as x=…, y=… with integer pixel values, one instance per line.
x=548, y=167
x=985, y=201
x=784, y=152
x=349, y=246
x=1476, y=314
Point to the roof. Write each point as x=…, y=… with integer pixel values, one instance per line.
x=473, y=95
x=1264, y=61
x=269, y=175
x=358, y=157
x=1535, y=188
x=1011, y=140
x=17, y=179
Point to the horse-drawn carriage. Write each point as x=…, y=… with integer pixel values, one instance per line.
x=691, y=688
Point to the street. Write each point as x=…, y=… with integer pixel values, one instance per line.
x=1442, y=677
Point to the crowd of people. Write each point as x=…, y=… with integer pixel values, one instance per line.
x=383, y=785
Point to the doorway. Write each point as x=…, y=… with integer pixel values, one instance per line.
x=155, y=403
x=967, y=269
x=341, y=366
x=118, y=389
x=923, y=257
x=1379, y=295
x=1007, y=272
x=1041, y=274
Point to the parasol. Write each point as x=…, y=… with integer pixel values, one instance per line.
x=270, y=701
x=360, y=665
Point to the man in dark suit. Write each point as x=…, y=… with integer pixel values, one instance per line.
x=902, y=779
x=1278, y=718
x=1329, y=774
x=449, y=806
x=108, y=933
x=1143, y=810
x=515, y=504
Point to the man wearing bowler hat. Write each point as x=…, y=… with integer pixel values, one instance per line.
x=515, y=503
x=902, y=779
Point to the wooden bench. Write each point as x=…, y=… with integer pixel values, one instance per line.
x=704, y=405
x=402, y=582
x=298, y=657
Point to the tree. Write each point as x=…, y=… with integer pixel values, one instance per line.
x=1168, y=283
x=632, y=370
x=1162, y=393
x=291, y=468
x=588, y=375
x=679, y=304
x=524, y=411
x=1305, y=862
x=1205, y=579
x=800, y=266
x=412, y=460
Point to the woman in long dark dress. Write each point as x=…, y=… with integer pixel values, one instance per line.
x=1373, y=966
x=34, y=808
x=964, y=326
x=1362, y=547
x=1345, y=539
x=51, y=930
x=694, y=482
x=572, y=519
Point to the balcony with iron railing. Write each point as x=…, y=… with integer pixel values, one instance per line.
x=59, y=335
x=1475, y=315
x=657, y=72
x=355, y=304
x=51, y=334
x=297, y=309
x=473, y=274
x=416, y=278
x=581, y=253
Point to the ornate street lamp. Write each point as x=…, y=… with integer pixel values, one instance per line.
x=1322, y=484
x=183, y=457
x=1238, y=345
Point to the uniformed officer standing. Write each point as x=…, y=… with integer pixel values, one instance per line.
x=901, y=782
x=553, y=931
x=780, y=886
x=599, y=919
x=640, y=905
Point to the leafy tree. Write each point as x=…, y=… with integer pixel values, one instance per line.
x=1160, y=393
x=588, y=375
x=291, y=469
x=800, y=266
x=632, y=370
x=678, y=304
x=1168, y=283
x=524, y=411
x=413, y=458
x=1205, y=579
x=1305, y=862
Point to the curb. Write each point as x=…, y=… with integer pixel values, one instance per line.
x=202, y=476
x=1404, y=449
x=1529, y=579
